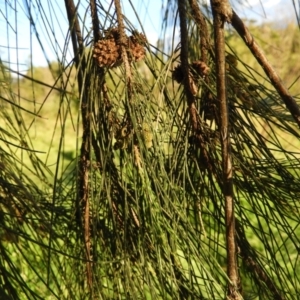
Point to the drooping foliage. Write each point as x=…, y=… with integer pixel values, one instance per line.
x=124, y=196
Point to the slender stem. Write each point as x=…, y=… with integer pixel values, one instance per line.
x=287, y=98
x=82, y=205
x=95, y=20
x=185, y=63
x=76, y=37
x=123, y=44
x=193, y=111
x=201, y=23
x=221, y=11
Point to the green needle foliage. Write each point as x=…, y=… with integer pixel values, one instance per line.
x=106, y=189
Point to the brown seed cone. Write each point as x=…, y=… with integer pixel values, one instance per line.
x=107, y=53
x=136, y=52
x=208, y=108
x=135, y=48
x=112, y=33
x=200, y=67
x=178, y=74
x=138, y=38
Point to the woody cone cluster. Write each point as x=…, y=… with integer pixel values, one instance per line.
x=107, y=51
x=197, y=69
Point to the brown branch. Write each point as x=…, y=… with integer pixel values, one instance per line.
x=221, y=12
x=204, y=48
x=123, y=44
x=287, y=98
x=202, y=26
x=77, y=40
x=193, y=111
x=100, y=78
x=100, y=81
x=95, y=20
x=82, y=206
x=184, y=54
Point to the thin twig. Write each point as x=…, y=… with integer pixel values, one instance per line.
x=77, y=40
x=287, y=98
x=123, y=44
x=190, y=100
x=193, y=111
x=204, y=46
x=83, y=208
x=95, y=20
x=185, y=64
x=221, y=12
x=202, y=26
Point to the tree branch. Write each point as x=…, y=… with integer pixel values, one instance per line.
x=287, y=98
x=201, y=23
x=123, y=44
x=222, y=12
x=95, y=20
x=184, y=57
x=82, y=205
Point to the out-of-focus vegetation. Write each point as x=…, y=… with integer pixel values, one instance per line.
x=280, y=43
